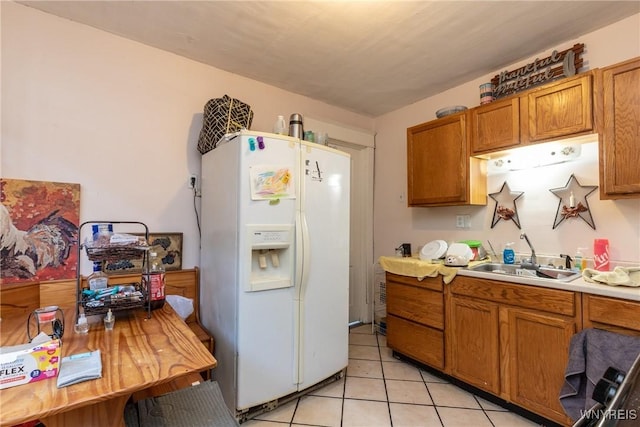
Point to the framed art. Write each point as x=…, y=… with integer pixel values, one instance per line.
x=168, y=246
x=39, y=230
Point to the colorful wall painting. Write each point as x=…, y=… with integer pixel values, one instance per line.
x=38, y=230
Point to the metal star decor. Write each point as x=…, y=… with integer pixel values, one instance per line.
x=506, y=208
x=573, y=202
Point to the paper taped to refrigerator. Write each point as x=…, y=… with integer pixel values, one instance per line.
x=271, y=182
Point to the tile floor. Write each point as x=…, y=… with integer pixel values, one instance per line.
x=381, y=391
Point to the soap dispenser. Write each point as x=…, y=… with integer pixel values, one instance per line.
x=508, y=255
x=580, y=263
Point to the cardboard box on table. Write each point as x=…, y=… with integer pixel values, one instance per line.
x=27, y=363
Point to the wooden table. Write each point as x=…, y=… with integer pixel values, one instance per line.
x=139, y=353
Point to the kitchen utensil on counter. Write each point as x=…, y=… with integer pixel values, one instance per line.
x=460, y=249
x=493, y=252
x=476, y=247
x=435, y=249
x=405, y=249
x=458, y=255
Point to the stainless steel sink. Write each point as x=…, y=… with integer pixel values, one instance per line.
x=528, y=270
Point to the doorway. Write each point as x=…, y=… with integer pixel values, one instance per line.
x=360, y=145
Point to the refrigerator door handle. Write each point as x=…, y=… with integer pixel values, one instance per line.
x=300, y=359
x=302, y=278
x=306, y=249
x=299, y=257
x=299, y=260
x=296, y=344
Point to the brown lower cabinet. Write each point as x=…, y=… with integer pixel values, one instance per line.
x=612, y=314
x=537, y=348
x=415, y=318
x=512, y=340
x=509, y=340
x=474, y=345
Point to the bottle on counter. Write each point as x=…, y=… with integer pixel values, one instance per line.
x=82, y=325
x=109, y=321
x=280, y=126
x=98, y=279
x=155, y=279
x=601, y=254
x=508, y=255
x=580, y=263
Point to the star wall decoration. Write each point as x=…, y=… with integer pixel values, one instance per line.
x=506, y=208
x=573, y=202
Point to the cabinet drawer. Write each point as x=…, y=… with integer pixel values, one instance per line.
x=419, y=342
x=543, y=299
x=611, y=311
x=433, y=283
x=419, y=305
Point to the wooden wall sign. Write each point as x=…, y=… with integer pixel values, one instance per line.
x=555, y=66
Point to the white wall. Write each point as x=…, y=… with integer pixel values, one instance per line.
x=395, y=223
x=122, y=119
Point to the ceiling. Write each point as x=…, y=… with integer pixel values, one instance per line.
x=366, y=57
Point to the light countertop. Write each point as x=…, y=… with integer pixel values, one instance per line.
x=577, y=285
x=395, y=265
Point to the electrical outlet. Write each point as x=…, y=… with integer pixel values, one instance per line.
x=193, y=181
x=463, y=221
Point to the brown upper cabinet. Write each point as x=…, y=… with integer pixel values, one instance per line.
x=495, y=126
x=443, y=171
x=620, y=135
x=558, y=110
x=440, y=169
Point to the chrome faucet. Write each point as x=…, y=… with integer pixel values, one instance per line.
x=534, y=259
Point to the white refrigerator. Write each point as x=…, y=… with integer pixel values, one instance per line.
x=274, y=265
